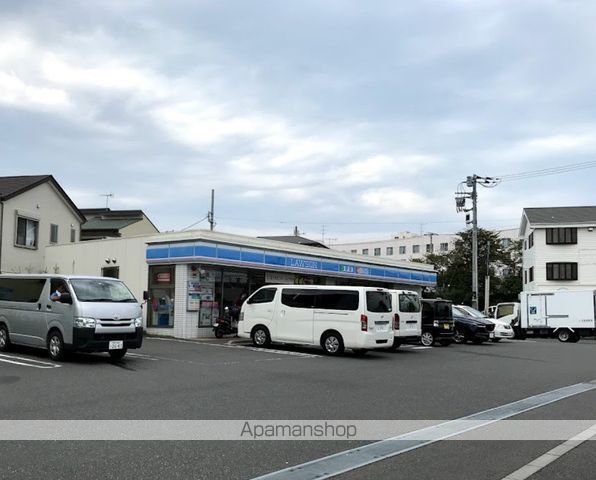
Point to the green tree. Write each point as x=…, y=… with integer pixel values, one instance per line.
x=455, y=268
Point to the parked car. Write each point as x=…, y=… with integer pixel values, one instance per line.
x=437, y=322
x=502, y=329
x=468, y=327
x=334, y=317
x=406, y=317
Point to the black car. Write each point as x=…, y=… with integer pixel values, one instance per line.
x=437, y=322
x=471, y=328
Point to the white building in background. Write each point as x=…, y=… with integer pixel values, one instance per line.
x=559, y=248
x=409, y=246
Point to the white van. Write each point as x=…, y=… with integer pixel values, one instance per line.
x=69, y=313
x=407, y=311
x=333, y=317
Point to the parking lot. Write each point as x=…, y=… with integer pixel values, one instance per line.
x=231, y=380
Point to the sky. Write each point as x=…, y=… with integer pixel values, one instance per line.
x=352, y=120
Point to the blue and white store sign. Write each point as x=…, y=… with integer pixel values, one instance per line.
x=223, y=254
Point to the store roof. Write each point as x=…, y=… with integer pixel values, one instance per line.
x=274, y=245
x=296, y=239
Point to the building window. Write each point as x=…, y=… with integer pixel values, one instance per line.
x=27, y=232
x=402, y=250
x=377, y=252
x=531, y=240
x=557, y=236
x=353, y=251
x=531, y=274
x=389, y=251
x=429, y=248
x=365, y=251
x=525, y=276
x=415, y=248
x=444, y=247
x=161, y=296
x=525, y=244
x=561, y=271
x=73, y=235
x=53, y=233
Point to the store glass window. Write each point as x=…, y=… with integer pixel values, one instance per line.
x=161, y=296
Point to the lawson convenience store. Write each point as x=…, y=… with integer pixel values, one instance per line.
x=193, y=276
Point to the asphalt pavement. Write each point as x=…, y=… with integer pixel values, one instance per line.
x=231, y=380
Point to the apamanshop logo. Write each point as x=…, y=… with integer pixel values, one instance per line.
x=298, y=431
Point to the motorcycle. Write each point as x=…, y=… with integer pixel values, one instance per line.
x=227, y=324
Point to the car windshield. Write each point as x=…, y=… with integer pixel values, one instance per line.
x=473, y=312
x=101, y=290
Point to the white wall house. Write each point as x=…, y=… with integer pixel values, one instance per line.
x=34, y=212
x=559, y=248
x=409, y=246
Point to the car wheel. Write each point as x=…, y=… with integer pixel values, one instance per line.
x=332, y=343
x=564, y=336
x=4, y=339
x=445, y=343
x=118, y=354
x=260, y=337
x=427, y=339
x=395, y=345
x=459, y=337
x=55, y=345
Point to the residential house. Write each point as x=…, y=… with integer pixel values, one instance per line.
x=559, y=248
x=34, y=212
x=102, y=223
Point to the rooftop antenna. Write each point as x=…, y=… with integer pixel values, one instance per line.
x=108, y=196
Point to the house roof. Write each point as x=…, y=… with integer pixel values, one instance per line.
x=296, y=239
x=107, y=219
x=558, y=216
x=11, y=187
x=107, y=224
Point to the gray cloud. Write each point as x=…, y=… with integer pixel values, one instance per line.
x=308, y=112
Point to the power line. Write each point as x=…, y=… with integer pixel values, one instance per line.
x=283, y=222
x=196, y=223
x=546, y=171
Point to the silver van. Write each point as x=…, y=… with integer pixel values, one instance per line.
x=63, y=313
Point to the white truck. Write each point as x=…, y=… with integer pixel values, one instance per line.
x=567, y=315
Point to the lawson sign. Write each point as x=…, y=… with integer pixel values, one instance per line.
x=281, y=261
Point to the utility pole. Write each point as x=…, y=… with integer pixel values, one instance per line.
x=487, y=280
x=460, y=204
x=471, y=182
x=211, y=214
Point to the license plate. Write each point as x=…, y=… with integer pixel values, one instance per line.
x=116, y=345
x=381, y=329
x=492, y=335
x=446, y=326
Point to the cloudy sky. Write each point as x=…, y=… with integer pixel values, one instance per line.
x=361, y=117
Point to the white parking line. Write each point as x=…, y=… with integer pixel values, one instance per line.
x=354, y=458
x=244, y=347
x=143, y=357
x=552, y=455
x=30, y=362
